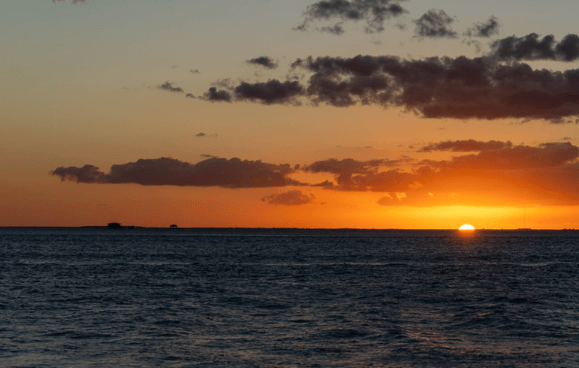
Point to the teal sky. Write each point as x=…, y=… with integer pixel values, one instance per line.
x=133, y=42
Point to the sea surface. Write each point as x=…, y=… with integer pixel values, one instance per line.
x=288, y=298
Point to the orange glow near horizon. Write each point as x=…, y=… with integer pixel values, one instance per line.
x=70, y=204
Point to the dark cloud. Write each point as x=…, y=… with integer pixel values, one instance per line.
x=264, y=61
x=374, y=12
x=85, y=174
x=433, y=24
x=232, y=173
x=470, y=145
x=214, y=95
x=459, y=88
x=486, y=29
x=200, y=134
x=167, y=86
x=532, y=47
x=568, y=48
x=270, y=92
x=195, y=71
x=190, y=95
x=290, y=198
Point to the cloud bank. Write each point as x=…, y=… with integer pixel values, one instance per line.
x=437, y=87
x=219, y=172
x=497, y=174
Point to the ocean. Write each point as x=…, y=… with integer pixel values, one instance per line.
x=288, y=298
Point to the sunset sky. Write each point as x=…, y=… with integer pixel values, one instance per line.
x=304, y=113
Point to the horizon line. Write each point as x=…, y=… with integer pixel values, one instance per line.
x=135, y=227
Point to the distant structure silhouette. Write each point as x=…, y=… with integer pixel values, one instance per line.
x=114, y=226
x=173, y=226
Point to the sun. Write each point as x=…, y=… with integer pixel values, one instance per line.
x=466, y=227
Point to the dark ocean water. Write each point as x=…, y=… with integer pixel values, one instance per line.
x=288, y=298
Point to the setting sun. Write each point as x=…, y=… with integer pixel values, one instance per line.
x=466, y=227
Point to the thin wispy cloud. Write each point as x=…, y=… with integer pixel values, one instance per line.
x=347, y=165
x=268, y=93
x=486, y=29
x=469, y=145
x=74, y=2
x=206, y=135
x=167, y=86
x=290, y=198
x=263, y=61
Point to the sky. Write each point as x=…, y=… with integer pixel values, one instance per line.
x=266, y=113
